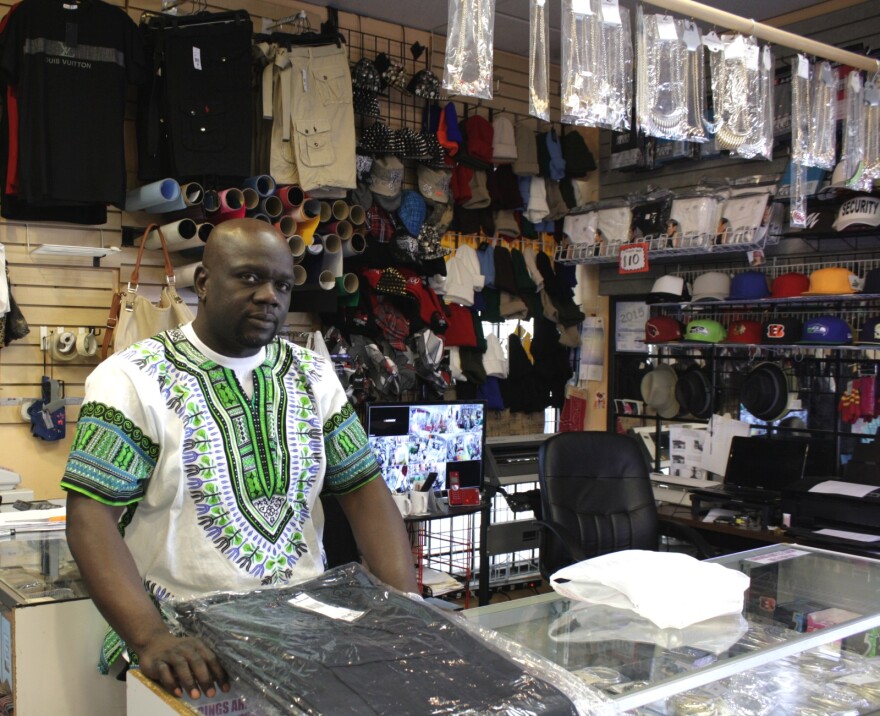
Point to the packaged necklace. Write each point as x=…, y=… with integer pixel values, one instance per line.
x=661, y=87
x=596, y=64
x=469, y=48
x=823, y=121
x=800, y=111
x=736, y=91
x=539, y=61
x=695, y=80
x=871, y=130
x=853, y=150
x=760, y=140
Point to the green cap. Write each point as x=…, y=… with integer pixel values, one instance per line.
x=705, y=330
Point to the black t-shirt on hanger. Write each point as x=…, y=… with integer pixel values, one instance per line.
x=71, y=63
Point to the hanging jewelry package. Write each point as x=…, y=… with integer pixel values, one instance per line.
x=800, y=111
x=469, y=48
x=661, y=87
x=740, y=88
x=823, y=120
x=596, y=64
x=852, y=166
x=871, y=130
x=760, y=141
x=539, y=61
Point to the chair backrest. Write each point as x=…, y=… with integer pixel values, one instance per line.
x=339, y=543
x=597, y=488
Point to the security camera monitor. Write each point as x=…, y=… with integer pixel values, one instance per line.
x=413, y=440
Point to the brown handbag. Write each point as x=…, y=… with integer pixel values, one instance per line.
x=133, y=318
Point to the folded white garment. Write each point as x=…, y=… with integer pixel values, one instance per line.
x=668, y=588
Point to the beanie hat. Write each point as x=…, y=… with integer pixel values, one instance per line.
x=460, y=331
x=526, y=163
x=486, y=259
x=477, y=150
x=449, y=133
x=524, y=282
x=556, y=162
x=503, y=141
x=506, y=194
x=493, y=360
x=479, y=191
x=557, y=208
x=579, y=160
x=504, y=277
x=531, y=260
x=512, y=306
x=461, y=183
x=537, y=208
x=505, y=224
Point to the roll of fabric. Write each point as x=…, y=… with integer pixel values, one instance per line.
x=299, y=275
x=342, y=229
x=191, y=194
x=155, y=194
x=297, y=247
x=340, y=210
x=178, y=235
x=291, y=195
x=231, y=204
x=211, y=200
x=309, y=209
x=260, y=216
x=332, y=256
x=306, y=229
x=203, y=230
x=326, y=212
x=286, y=224
x=251, y=200
x=355, y=245
x=272, y=206
x=185, y=276
x=357, y=215
x=263, y=184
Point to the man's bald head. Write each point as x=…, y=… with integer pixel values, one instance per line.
x=240, y=235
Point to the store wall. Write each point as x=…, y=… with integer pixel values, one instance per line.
x=71, y=293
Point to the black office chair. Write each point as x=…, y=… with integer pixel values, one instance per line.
x=339, y=542
x=596, y=498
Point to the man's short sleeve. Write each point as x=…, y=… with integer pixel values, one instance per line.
x=113, y=453
x=350, y=459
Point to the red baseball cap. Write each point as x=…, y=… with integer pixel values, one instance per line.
x=790, y=284
x=744, y=332
x=661, y=329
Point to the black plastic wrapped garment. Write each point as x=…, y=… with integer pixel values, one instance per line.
x=378, y=652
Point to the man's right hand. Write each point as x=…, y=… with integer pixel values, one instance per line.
x=182, y=665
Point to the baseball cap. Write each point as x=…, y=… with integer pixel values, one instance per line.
x=744, y=332
x=386, y=177
x=827, y=329
x=749, y=285
x=861, y=210
x=412, y=211
x=832, y=281
x=789, y=284
x=661, y=329
x=668, y=288
x=872, y=281
x=870, y=331
x=705, y=330
x=434, y=183
x=782, y=330
x=711, y=286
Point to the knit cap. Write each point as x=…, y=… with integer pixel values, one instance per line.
x=579, y=160
x=512, y=306
x=461, y=183
x=530, y=257
x=524, y=282
x=556, y=169
x=486, y=258
x=526, y=163
x=505, y=224
x=461, y=326
x=449, y=133
x=537, y=207
x=503, y=141
x=557, y=208
x=478, y=142
x=479, y=191
x=504, y=276
x=493, y=359
x=463, y=276
x=506, y=194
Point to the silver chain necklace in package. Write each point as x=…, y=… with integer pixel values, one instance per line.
x=539, y=87
x=662, y=87
x=823, y=121
x=735, y=84
x=854, y=148
x=695, y=79
x=800, y=111
x=469, y=48
x=871, y=128
x=760, y=140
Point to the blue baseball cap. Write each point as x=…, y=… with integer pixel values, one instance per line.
x=748, y=286
x=827, y=329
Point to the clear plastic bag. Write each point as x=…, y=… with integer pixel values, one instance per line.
x=800, y=110
x=823, y=121
x=539, y=61
x=596, y=64
x=343, y=642
x=662, y=105
x=871, y=128
x=469, y=48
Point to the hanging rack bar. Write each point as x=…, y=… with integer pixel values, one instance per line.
x=768, y=33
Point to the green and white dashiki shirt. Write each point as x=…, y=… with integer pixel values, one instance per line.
x=221, y=489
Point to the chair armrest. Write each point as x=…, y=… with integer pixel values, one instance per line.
x=670, y=528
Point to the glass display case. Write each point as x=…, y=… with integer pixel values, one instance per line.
x=807, y=642
x=50, y=631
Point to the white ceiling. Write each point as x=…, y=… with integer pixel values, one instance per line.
x=512, y=16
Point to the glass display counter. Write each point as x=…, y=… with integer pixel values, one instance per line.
x=50, y=632
x=807, y=642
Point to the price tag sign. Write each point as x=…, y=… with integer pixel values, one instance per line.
x=633, y=258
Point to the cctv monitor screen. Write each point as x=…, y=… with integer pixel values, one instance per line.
x=412, y=440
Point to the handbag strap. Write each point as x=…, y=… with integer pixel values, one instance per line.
x=116, y=305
